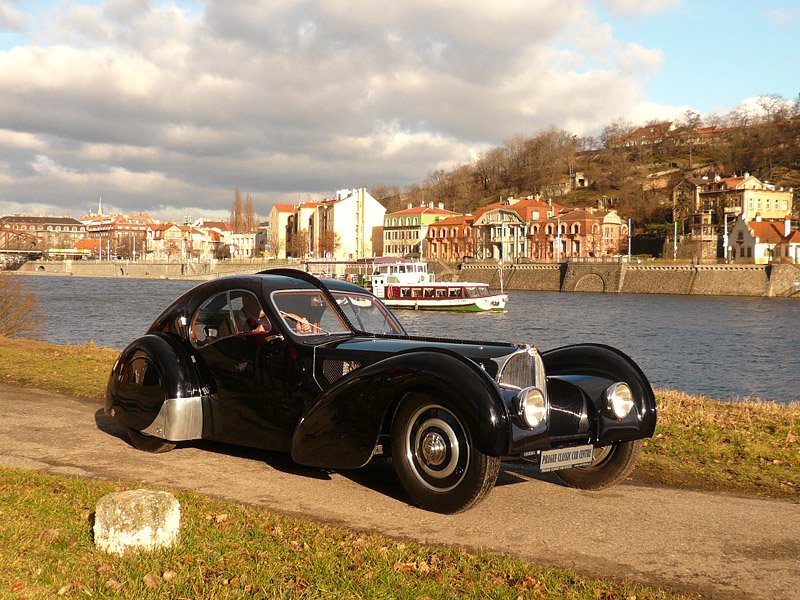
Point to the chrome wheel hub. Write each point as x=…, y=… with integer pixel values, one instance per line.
x=434, y=449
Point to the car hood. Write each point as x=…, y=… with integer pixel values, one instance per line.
x=366, y=350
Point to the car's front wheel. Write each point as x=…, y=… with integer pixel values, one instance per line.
x=148, y=443
x=435, y=458
x=610, y=466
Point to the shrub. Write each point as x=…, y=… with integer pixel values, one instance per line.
x=20, y=313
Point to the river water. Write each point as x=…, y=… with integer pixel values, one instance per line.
x=723, y=347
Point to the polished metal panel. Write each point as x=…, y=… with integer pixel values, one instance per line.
x=178, y=419
x=523, y=369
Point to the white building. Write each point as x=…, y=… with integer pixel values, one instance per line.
x=348, y=227
x=763, y=242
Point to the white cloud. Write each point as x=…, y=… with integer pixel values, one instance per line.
x=633, y=7
x=154, y=106
x=784, y=18
x=12, y=19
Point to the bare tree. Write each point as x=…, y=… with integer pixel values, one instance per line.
x=329, y=243
x=250, y=217
x=20, y=313
x=237, y=212
x=297, y=245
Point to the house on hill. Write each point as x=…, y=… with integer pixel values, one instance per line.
x=702, y=207
x=762, y=242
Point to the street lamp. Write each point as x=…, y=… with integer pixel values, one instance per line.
x=558, y=239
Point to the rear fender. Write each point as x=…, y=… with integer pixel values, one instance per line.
x=342, y=429
x=593, y=368
x=154, y=388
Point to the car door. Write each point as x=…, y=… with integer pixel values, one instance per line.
x=246, y=359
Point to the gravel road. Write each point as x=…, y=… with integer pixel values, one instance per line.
x=713, y=545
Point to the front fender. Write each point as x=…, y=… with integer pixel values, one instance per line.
x=593, y=368
x=154, y=385
x=342, y=429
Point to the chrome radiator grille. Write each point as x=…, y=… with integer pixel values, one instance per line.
x=523, y=369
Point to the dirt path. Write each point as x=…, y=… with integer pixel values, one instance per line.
x=719, y=546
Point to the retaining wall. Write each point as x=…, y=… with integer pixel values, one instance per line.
x=537, y=278
x=147, y=270
x=718, y=280
x=658, y=280
x=715, y=280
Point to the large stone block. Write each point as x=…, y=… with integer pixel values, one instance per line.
x=136, y=519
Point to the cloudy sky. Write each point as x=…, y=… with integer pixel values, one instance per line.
x=166, y=105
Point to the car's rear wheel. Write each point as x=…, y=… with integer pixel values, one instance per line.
x=435, y=458
x=148, y=443
x=610, y=466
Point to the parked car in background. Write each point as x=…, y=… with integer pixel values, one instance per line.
x=321, y=369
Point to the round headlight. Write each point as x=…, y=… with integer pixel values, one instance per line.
x=620, y=400
x=532, y=406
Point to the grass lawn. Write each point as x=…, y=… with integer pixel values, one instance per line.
x=229, y=550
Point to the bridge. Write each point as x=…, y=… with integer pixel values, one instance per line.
x=15, y=240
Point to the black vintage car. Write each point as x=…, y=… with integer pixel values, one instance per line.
x=322, y=369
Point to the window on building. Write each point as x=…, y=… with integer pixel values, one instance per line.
x=767, y=204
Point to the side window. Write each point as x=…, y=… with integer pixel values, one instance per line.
x=212, y=321
x=227, y=314
x=248, y=316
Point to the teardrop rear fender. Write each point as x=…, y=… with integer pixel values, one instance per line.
x=154, y=375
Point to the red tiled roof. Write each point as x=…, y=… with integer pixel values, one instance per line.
x=767, y=232
x=576, y=214
x=424, y=210
x=524, y=208
x=794, y=237
x=456, y=220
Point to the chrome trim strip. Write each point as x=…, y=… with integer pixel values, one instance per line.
x=178, y=419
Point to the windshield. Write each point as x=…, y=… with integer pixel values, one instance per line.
x=367, y=313
x=308, y=312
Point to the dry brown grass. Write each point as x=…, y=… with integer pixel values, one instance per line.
x=748, y=446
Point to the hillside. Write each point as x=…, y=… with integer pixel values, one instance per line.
x=630, y=168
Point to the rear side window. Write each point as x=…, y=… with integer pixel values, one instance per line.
x=236, y=312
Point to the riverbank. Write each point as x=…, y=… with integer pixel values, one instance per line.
x=773, y=281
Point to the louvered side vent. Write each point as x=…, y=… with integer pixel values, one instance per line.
x=334, y=370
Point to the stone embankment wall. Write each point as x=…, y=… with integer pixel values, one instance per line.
x=149, y=270
x=537, y=278
x=717, y=280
